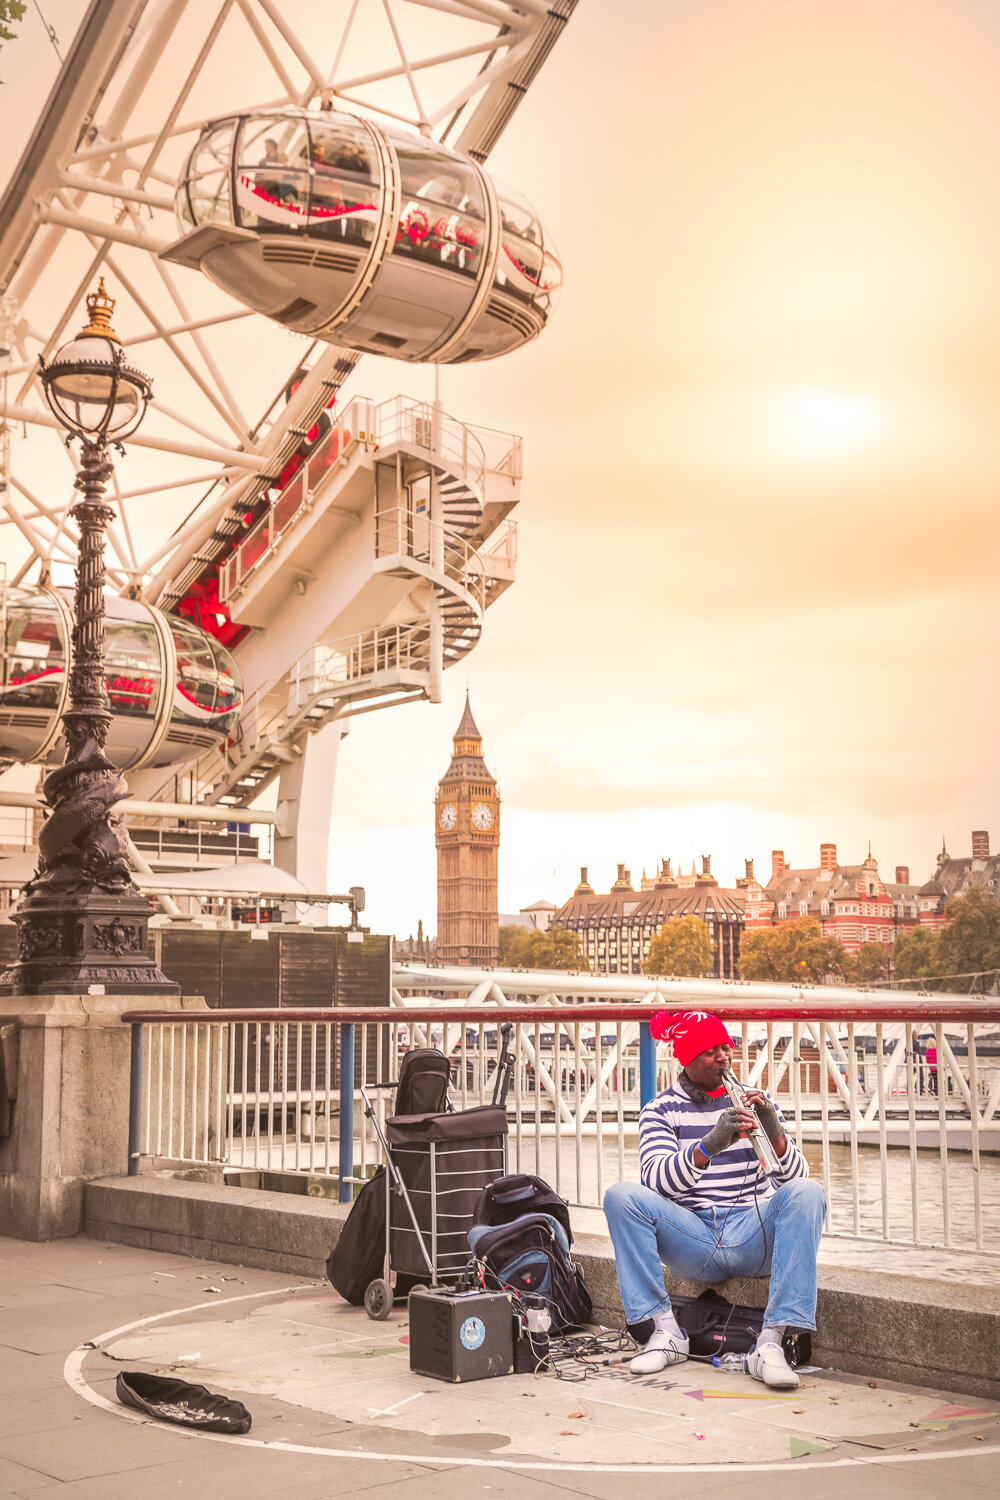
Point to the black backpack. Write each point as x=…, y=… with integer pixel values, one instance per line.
x=423, y=1083
x=521, y=1232
x=511, y=1197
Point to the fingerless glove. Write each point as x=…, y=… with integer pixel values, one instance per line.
x=723, y=1134
x=769, y=1121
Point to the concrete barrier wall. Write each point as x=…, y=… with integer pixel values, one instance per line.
x=924, y=1332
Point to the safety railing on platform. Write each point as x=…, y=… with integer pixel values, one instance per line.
x=417, y=424
x=330, y=671
x=400, y=532
x=260, y=1092
x=466, y=452
x=332, y=449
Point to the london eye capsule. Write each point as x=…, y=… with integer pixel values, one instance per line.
x=371, y=238
x=172, y=689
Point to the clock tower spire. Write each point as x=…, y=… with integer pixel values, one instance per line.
x=467, y=834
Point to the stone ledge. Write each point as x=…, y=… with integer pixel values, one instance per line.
x=940, y=1334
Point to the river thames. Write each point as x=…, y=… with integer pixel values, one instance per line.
x=840, y=1245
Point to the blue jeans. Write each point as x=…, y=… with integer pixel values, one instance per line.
x=713, y=1244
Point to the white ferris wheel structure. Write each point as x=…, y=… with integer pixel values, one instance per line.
x=356, y=585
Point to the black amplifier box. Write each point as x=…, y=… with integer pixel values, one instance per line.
x=460, y=1335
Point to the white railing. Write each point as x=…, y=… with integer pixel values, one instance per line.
x=332, y=671
x=352, y=426
x=417, y=424
x=467, y=452
x=903, y=1152
x=504, y=548
x=400, y=532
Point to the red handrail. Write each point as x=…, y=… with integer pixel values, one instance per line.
x=963, y=1008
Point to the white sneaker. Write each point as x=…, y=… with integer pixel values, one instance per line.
x=664, y=1348
x=768, y=1363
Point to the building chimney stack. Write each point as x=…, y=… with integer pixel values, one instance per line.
x=828, y=856
x=706, y=864
x=981, y=844
x=902, y=874
x=584, y=888
x=777, y=862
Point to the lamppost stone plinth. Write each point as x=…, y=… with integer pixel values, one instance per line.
x=83, y=924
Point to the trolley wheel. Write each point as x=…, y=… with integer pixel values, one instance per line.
x=378, y=1299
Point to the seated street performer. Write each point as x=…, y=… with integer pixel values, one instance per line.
x=706, y=1213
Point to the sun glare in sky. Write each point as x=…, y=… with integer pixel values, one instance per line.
x=812, y=423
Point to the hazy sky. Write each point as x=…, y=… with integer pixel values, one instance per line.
x=755, y=604
x=756, y=601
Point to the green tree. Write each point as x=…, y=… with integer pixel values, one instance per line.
x=970, y=944
x=10, y=10
x=916, y=954
x=683, y=947
x=796, y=951
x=511, y=944
x=867, y=964
x=526, y=948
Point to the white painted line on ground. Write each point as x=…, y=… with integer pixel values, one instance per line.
x=73, y=1375
x=389, y=1411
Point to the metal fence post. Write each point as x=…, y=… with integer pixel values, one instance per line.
x=135, y=1100
x=647, y=1063
x=346, y=1190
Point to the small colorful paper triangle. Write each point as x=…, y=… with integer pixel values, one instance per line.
x=740, y=1396
x=800, y=1447
x=952, y=1412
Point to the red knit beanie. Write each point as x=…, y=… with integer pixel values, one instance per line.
x=690, y=1032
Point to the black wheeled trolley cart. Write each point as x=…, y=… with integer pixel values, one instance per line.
x=437, y=1163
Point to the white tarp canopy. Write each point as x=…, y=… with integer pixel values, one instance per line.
x=249, y=878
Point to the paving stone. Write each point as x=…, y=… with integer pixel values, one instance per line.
x=54, y=1408
x=21, y=1370
x=17, y=1479
x=471, y=1484
x=95, y=1448
x=319, y=1374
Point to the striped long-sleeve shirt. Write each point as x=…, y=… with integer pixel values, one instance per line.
x=673, y=1124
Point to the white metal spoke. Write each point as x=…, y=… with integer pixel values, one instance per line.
x=97, y=196
x=387, y=7
x=237, y=420
x=335, y=70
x=279, y=23
x=268, y=49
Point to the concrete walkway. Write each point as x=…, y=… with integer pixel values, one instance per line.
x=336, y=1409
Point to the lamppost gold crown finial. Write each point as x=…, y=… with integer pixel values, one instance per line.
x=100, y=306
x=82, y=923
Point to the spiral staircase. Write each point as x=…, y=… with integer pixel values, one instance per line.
x=434, y=495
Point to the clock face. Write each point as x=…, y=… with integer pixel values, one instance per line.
x=448, y=816
x=482, y=815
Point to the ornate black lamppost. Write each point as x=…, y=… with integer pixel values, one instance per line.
x=82, y=922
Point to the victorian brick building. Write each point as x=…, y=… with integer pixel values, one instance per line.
x=953, y=877
x=851, y=902
x=615, y=929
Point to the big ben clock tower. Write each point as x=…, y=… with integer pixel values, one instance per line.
x=467, y=833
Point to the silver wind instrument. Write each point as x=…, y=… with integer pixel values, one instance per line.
x=759, y=1140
